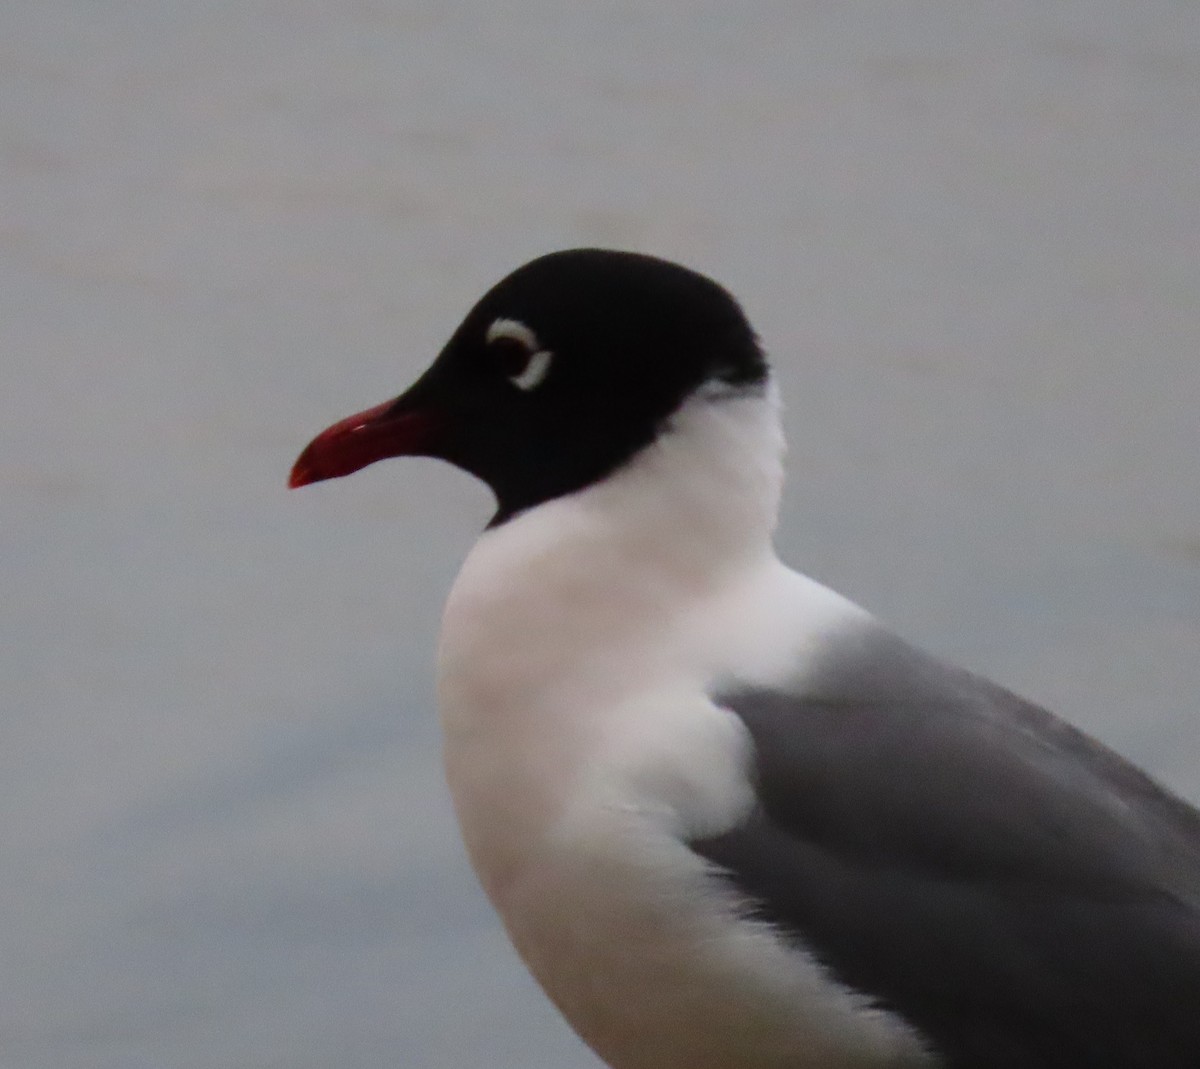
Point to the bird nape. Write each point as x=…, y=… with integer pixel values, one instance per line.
x=729, y=820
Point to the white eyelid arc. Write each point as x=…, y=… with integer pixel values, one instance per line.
x=514, y=329
x=535, y=371
x=539, y=358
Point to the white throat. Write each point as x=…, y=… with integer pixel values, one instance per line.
x=564, y=613
x=609, y=615
x=583, y=748
x=699, y=501
x=626, y=556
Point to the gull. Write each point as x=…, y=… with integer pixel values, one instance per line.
x=728, y=818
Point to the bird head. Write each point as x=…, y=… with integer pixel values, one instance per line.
x=562, y=372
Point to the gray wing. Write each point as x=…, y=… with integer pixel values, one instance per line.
x=1019, y=893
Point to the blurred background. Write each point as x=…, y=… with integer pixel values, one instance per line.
x=968, y=233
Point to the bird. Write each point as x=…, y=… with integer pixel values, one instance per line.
x=728, y=818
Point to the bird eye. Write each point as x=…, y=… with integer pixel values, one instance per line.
x=511, y=356
x=519, y=354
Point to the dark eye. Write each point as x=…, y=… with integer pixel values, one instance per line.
x=511, y=356
x=519, y=354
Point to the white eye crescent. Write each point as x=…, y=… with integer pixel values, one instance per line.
x=535, y=371
x=515, y=330
x=533, y=362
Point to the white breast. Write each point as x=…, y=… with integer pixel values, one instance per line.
x=583, y=752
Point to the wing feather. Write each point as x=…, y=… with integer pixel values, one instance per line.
x=1020, y=893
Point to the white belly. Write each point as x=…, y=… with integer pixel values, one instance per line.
x=641, y=950
x=583, y=753
x=625, y=928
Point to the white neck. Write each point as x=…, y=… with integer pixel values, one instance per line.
x=570, y=615
x=559, y=612
x=580, y=647
x=700, y=501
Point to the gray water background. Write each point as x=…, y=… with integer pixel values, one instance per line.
x=968, y=233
